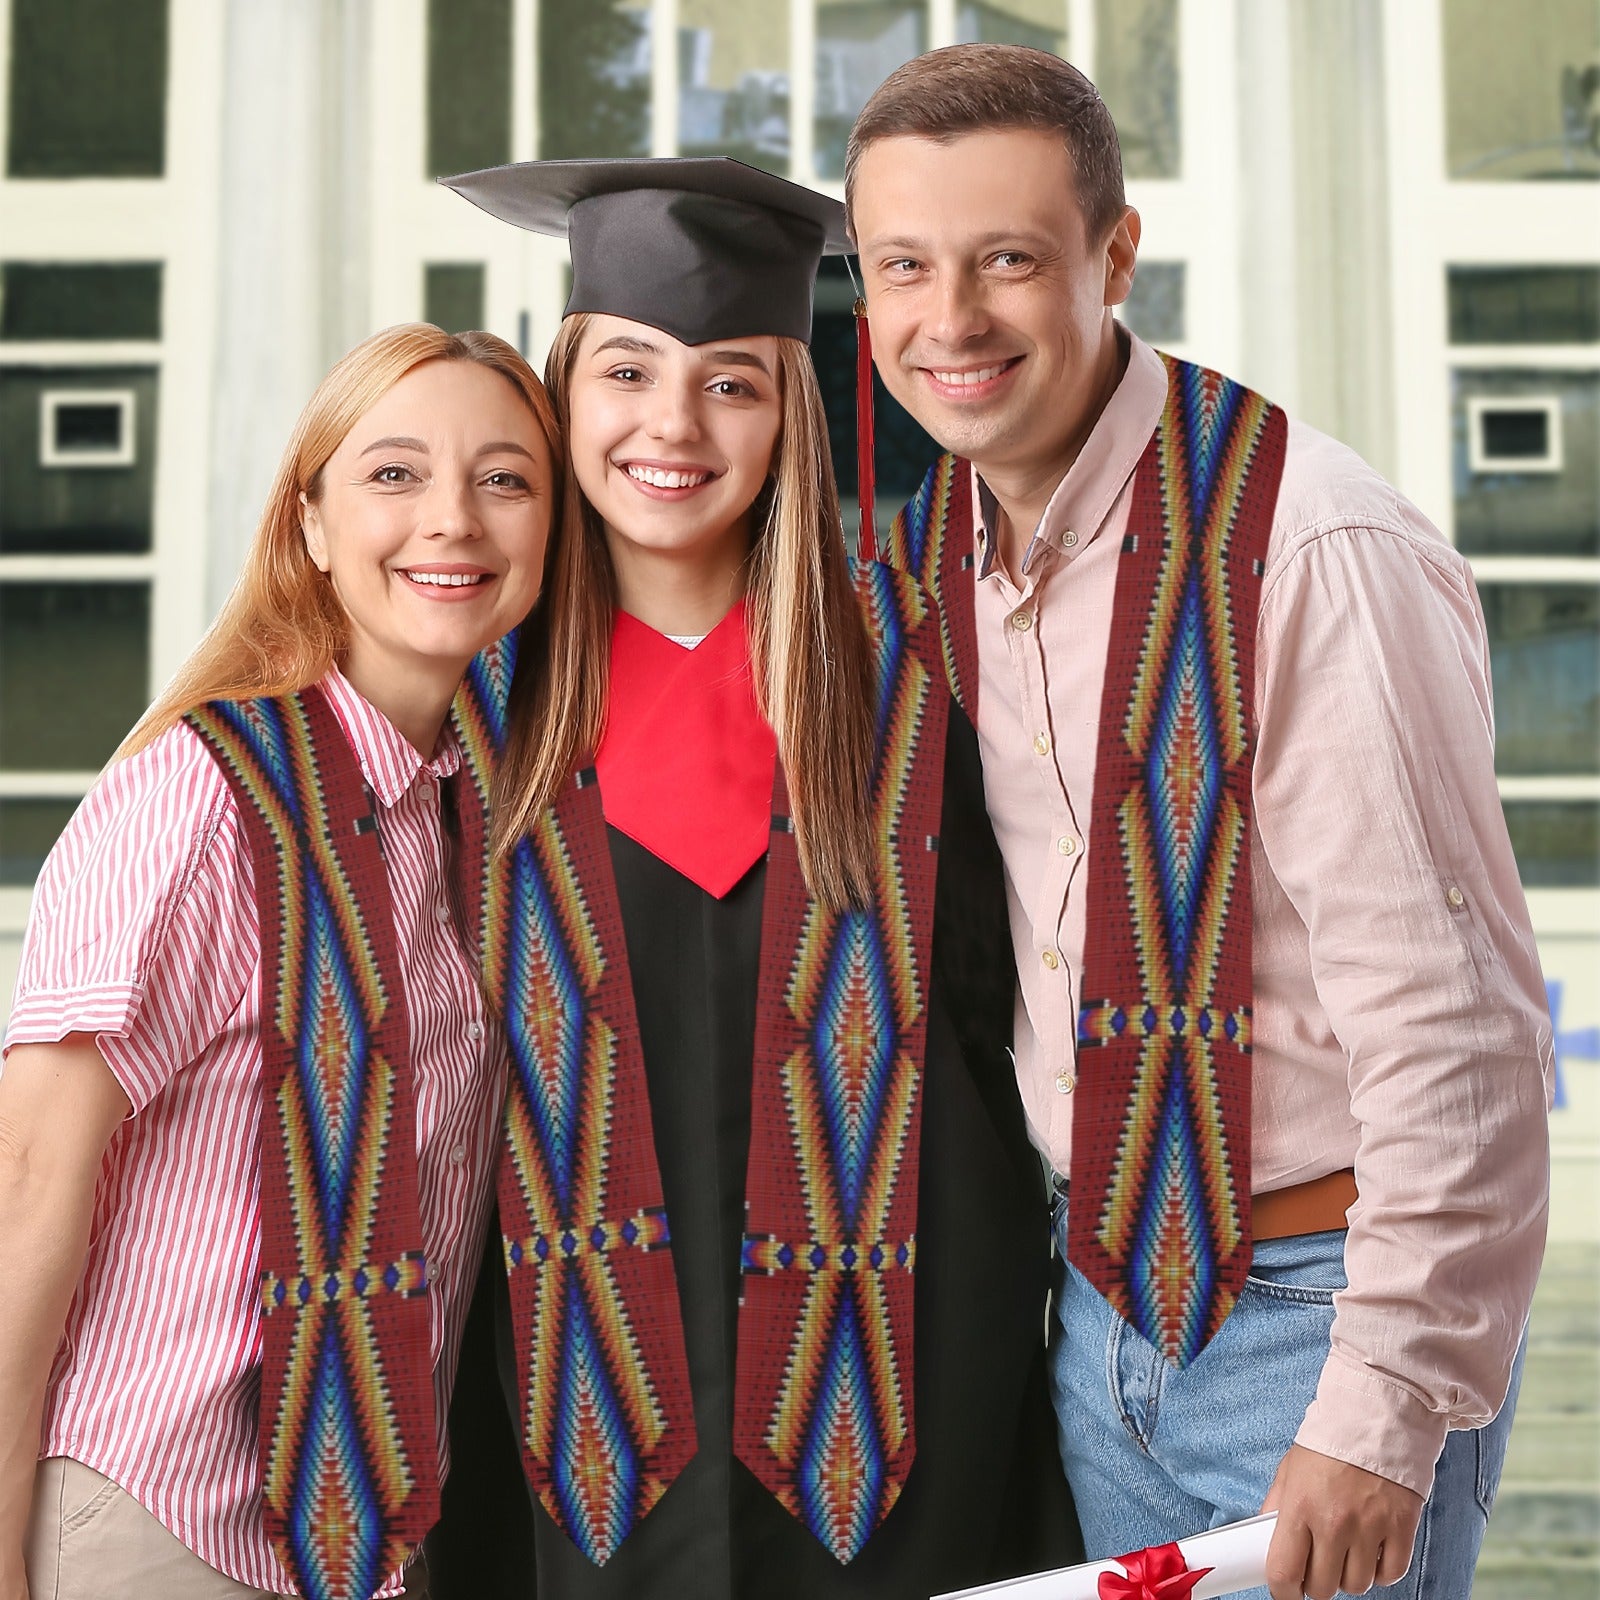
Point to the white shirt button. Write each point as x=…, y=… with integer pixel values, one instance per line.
x=474, y=1030
x=442, y=911
x=1021, y=621
x=458, y=1154
x=1456, y=898
x=1041, y=744
x=1066, y=844
x=1068, y=539
x=1050, y=959
x=1065, y=1083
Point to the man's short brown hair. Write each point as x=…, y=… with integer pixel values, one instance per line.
x=966, y=88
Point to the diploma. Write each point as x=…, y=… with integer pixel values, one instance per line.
x=1218, y=1562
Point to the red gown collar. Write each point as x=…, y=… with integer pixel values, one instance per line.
x=687, y=761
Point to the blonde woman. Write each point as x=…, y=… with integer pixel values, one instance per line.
x=773, y=1287
x=251, y=1091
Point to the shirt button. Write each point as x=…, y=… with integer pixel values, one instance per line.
x=1050, y=959
x=474, y=1030
x=442, y=912
x=458, y=1154
x=1021, y=621
x=1066, y=844
x=1068, y=539
x=1041, y=744
x=1456, y=898
x=1065, y=1083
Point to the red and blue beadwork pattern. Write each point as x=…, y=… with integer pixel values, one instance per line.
x=348, y=1431
x=825, y=1362
x=1160, y=1220
x=606, y=1417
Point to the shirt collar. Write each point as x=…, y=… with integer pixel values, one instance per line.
x=389, y=761
x=1084, y=497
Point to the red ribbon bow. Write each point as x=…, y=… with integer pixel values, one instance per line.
x=1158, y=1573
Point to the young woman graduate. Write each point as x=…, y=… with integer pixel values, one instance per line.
x=771, y=1275
x=251, y=1101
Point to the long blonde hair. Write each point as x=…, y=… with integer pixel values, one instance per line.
x=282, y=626
x=808, y=644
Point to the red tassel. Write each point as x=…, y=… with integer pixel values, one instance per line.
x=867, y=542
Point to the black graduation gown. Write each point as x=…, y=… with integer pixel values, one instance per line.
x=985, y=1498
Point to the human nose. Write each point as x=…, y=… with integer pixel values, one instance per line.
x=956, y=312
x=673, y=415
x=450, y=510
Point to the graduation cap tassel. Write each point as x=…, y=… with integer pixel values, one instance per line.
x=867, y=543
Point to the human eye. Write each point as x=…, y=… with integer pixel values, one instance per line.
x=1010, y=259
x=394, y=474
x=901, y=267
x=626, y=374
x=732, y=389
x=504, y=478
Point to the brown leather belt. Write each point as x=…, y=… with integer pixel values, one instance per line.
x=1311, y=1207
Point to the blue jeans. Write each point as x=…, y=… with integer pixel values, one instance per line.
x=1154, y=1454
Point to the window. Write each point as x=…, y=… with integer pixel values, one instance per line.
x=73, y=300
x=88, y=89
x=469, y=85
x=1524, y=305
x=859, y=43
x=1154, y=307
x=733, y=81
x=594, y=78
x=1522, y=96
x=452, y=295
x=1136, y=71
x=1039, y=24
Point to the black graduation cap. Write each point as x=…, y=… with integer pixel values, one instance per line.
x=701, y=247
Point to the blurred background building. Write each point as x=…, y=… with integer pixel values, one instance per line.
x=1382, y=213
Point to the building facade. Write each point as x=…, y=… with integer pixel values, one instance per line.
x=1383, y=213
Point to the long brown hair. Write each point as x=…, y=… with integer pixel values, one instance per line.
x=282, y=627
x=808, y=644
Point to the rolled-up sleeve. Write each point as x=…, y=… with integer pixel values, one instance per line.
x=1377, y=810
x=142, y=930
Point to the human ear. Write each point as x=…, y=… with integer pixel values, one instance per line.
x=312, y=532
x=1122, y=247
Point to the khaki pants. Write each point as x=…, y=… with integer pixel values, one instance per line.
x=90, y=1540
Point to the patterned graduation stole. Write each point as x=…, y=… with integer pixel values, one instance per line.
x=1160, y=1219
x=605, y=1416
x=348, y=1434
x=825, y=1404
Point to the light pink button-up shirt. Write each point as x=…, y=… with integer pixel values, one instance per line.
x=143, y=933
x=1400, y=1025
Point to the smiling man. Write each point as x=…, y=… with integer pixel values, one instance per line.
x=1280, y=1019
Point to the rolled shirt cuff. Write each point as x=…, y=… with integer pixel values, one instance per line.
x=1370, y=1421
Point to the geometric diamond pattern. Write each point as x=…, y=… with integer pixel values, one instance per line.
x=822, y=1414
x=1161, y=1119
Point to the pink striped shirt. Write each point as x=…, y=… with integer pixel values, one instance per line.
x=143, y=933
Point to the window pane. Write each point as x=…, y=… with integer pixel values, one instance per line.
x=1136, y=72
x=1041, y=24
x=28, y=828
x=1544, y=649
x=1154, y=307
x=733, y=81
x=469, y=85
x=594, y=78
x=1524, y=305
x=54, y=300
x=73, y=509
x=74, y=665
x=859, y=43
x=1520, y=90
x=1543, y=510
x=452, y=295
x=1557, y=842
x=88, y=89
